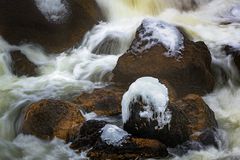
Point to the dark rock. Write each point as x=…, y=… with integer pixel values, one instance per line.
x=21, y=66
x=105, y=101
x=21, y=21
x=189, y=73
x=189, y=115
x=235, y=53
x=184, y=148
x=133, y=148
x=209, y=137
x=201, y=141
x=47, y=119
x=87, y=135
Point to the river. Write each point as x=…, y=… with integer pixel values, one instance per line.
x=216, y=22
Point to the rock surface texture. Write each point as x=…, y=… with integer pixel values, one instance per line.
x=184, y=64
x=105, y=101
x=21, y=65
x=47, y=119
x=189, y=115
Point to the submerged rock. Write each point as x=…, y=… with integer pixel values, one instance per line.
x=55, y=25
x=161, y=51
x=235, y=53
x=21, y=65
x=148, y=113
x=110, y=45
x=211, y=137
x=111, y=142
x=47, y=119
x=105, y=101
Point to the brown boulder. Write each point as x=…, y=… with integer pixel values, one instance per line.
x=21, y=65
x=47, y=119
x=105, y=101
x=21, y=21
x=188, y=73
x=189, y=115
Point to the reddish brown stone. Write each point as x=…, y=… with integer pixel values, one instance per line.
x=105, y=101
x=189, y=74
x=21, y=66
x=47, y=119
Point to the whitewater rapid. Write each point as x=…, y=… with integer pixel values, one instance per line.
x=82, y=69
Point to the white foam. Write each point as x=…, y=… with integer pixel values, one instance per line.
x=231, y=14
x=155, y=97
x=34, y=148
x=113, y=135
x=53, y=10
x=153, y=32
x=124, y=34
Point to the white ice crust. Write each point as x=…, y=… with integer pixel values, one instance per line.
x=53, y=10
x=155, y=97
x=153, y=32
x=113, y=135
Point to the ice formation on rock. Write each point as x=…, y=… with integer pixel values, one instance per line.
x=113, y=135
x=154, y=95
x=153, y=32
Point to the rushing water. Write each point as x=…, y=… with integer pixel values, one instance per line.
x=80, y=69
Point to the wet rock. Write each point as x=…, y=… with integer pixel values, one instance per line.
x=21, y=65
x=90, y=135
x=133, y=148
x=199, y=141
x=105, y=101
x=235, y=53
x=87, y=135
x=209, y=137
x=47, y=119
x=184, y=148
x=189, y=115
x=184, y=64
x=22, y=21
